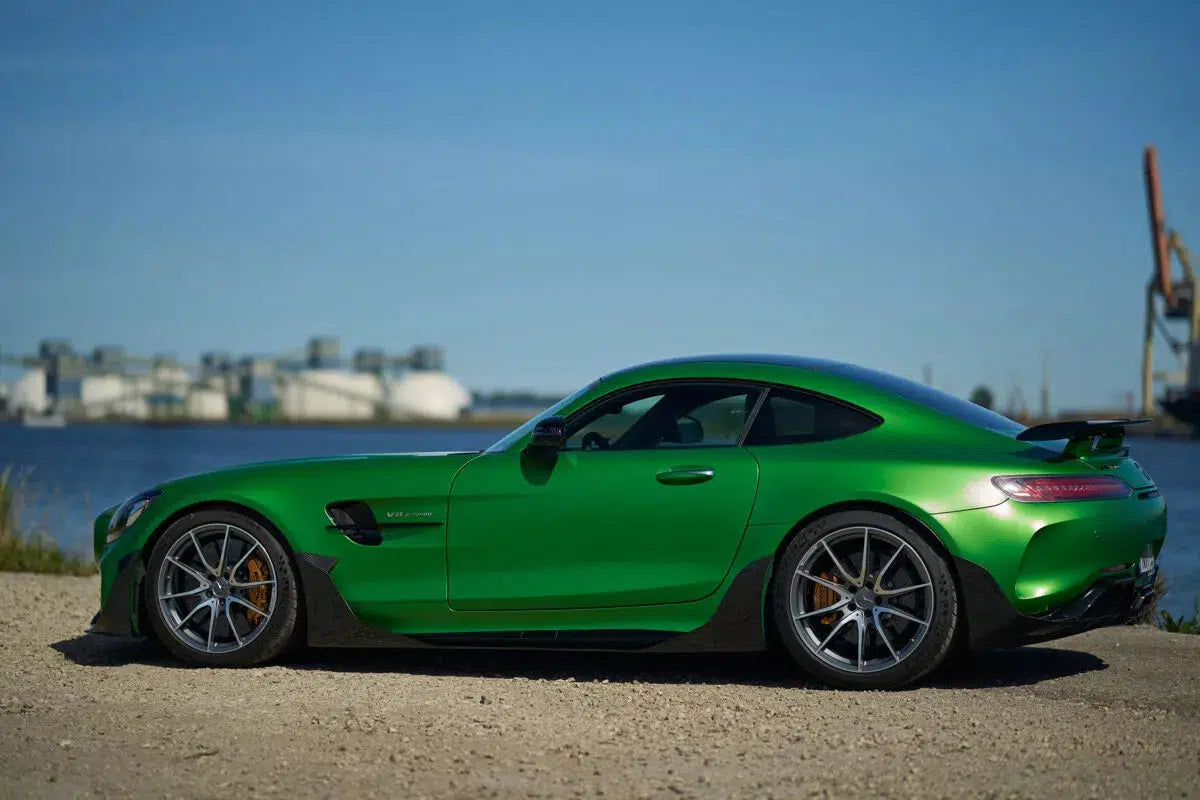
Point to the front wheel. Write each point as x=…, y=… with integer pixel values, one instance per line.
x=220, y=591
x=860, y=600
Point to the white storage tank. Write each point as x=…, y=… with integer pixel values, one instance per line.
x=328, y=394
x=207, y=404
x=427, y=395
x=29, y=393
x=170, y=379
x=163, y=380
x=100, y=395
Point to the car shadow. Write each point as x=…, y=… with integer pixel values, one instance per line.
x=1017, y=667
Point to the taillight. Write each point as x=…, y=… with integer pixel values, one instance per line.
x=1058, y=488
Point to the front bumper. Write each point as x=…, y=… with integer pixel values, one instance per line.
x=993, y=622
x=120, y=612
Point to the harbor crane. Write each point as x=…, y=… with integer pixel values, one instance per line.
x=1169, y=301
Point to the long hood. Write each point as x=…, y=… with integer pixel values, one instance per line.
x=295, y=495
x=428, y=473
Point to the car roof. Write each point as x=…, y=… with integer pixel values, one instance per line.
x=768, y=359
x=871, y=389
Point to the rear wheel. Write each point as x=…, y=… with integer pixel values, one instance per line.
x=860, y=600
x=220, y=590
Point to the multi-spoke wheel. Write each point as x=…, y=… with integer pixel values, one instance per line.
x=220, y=590
x=861, y=600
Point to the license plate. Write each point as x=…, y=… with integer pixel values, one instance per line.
x=1146, y=562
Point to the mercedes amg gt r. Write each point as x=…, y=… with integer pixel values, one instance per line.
x=864, y=524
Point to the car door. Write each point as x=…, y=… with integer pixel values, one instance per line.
x=646, y=504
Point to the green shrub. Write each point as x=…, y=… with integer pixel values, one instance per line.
x=1152, y=615
x=30, y=550
x=1180, y=624
x=8, y=504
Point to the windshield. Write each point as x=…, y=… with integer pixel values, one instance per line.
x=524, y=430
x=948, y=404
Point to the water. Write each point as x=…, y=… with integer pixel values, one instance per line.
x=76, y=472
x=1175, y=467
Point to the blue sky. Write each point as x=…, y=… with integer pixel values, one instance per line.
x=552, y=191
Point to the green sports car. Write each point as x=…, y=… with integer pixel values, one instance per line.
x=864, y=524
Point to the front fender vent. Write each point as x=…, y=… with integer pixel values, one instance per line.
x=355, y=519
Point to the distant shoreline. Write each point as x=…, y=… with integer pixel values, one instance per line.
x=506, y=421
x=497, y=421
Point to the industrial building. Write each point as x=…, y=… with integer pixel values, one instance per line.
x=312, y=384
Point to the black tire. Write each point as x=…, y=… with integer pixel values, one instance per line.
x=925, y=655
x=280, y=630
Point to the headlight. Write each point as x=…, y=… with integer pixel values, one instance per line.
x=128, y=512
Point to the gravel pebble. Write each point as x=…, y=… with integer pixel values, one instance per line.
x=1112, y=711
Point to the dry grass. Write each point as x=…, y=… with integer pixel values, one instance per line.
x=30, y=550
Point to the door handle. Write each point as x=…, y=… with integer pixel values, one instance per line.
x=683, y=476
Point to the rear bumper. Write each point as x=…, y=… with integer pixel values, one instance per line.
x=1045, y=556
x=993, y=622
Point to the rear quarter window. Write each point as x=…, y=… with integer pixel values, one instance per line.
x=943, y=402
x=788, y=417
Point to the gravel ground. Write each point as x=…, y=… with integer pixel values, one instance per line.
x=1110, y=711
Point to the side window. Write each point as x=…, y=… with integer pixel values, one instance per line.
x=716, y=421
x=603, y=426
x=795, y=418
x=683, y=415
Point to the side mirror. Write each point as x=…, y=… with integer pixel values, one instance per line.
x=550, y=432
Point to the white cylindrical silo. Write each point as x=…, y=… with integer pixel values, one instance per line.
x=104, y=396
x=427, y=395
x=326, y=394
x=207, y=404
x=29, y=393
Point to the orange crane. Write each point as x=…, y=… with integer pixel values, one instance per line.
x=1180, y=300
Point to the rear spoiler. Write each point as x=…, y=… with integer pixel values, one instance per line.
x=1083, y=436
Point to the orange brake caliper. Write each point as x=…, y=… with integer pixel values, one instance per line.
x=823, y=597
x=257, y=595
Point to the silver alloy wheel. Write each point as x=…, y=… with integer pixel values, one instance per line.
x=861, y=599
x=205, y=585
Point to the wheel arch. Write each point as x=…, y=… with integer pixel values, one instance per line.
x=213, y=505
x=216, y=505
x=905, y=516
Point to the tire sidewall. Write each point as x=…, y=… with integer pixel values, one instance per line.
x=281, y=626
x=928, y=654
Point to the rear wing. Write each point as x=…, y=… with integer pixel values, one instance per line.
x=1083, y=436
